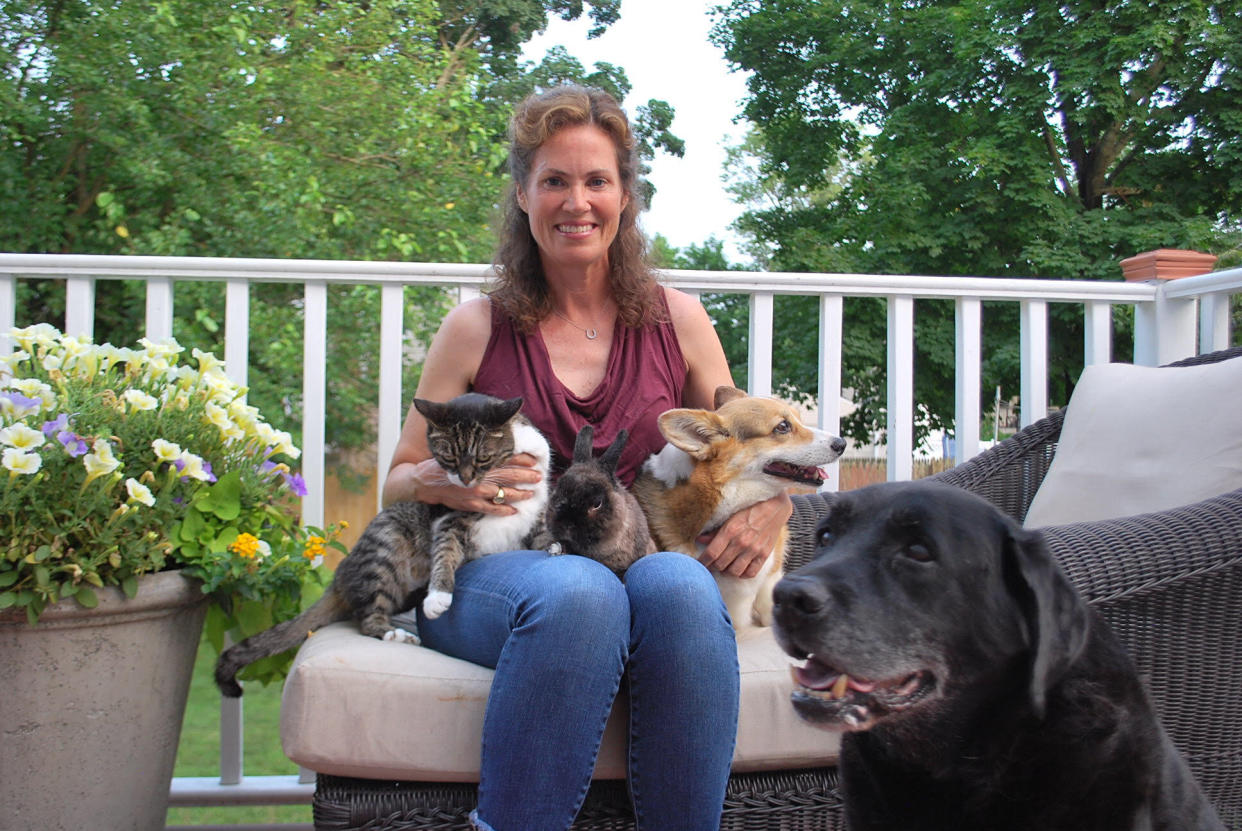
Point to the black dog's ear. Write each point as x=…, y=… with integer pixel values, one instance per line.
x=1056, y=617
x=582, y=445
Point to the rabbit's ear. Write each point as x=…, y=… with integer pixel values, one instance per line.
x=613, y=454
x=582, y=445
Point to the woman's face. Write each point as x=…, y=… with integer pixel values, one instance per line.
x=573, y=198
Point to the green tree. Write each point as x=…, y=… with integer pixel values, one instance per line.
x=367, y=129
x=988, y=138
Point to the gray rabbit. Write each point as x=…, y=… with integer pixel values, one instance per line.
x=591, y=514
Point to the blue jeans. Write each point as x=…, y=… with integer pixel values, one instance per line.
x=561, y=632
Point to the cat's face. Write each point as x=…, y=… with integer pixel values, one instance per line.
x=470, y=435
x=467, y=451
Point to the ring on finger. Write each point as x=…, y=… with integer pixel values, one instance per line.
x=499, y=498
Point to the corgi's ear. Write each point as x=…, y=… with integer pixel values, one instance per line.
x=693, y=431
x=726, y=394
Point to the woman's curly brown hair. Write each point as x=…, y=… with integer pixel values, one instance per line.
x=520, y=287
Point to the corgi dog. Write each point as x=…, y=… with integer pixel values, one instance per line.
x=718, y=462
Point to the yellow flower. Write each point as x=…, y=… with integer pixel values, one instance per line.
x=19, y=461
x=245, y=546
x=139, y=492
x=314, y=547
x=250, y=547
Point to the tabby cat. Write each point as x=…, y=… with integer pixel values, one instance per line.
x=412, y=545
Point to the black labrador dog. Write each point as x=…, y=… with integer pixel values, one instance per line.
x=978, y=689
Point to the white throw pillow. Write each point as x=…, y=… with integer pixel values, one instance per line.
x=1139, y=439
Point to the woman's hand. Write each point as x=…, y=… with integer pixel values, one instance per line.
x=434, y=486
x=745, y=541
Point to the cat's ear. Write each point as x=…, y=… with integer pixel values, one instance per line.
x=694, y=431
x=433, y=411
x=582, y=445
x=613, y=454
x=509, y=408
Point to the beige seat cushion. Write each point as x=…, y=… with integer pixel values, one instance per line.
x=1139, y=439
x=357, y=706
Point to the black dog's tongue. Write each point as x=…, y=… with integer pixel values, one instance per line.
x=816, y=675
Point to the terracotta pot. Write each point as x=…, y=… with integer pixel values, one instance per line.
x=91, y=703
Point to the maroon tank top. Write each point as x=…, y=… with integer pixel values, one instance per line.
x=645, y=376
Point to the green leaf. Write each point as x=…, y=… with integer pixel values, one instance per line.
x=130, y=585
x=7, y=578
x=224, y=497
x=7, y=599
x=86, y=597
x=253, y=617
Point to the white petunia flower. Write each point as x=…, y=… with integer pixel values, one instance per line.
x=166, y=451
x=19, y=461
x=139, y=492
x=22, y=437
x=99, y=463
x=139, y=400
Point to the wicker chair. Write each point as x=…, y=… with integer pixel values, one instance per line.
x=1169, y=583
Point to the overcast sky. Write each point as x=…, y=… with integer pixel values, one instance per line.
x=663, y=47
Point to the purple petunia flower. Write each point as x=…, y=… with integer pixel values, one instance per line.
x=20, y=404
x=296, y=483
x=57, y=426
x=74, y=444
x=211, y=477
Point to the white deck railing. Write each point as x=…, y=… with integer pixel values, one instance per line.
x=1172, y=320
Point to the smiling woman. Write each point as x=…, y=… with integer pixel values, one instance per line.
x=573, y=199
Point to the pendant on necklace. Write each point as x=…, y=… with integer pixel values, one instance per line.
x=591, y=334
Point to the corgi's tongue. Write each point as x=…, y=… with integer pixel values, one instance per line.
x=803, y=474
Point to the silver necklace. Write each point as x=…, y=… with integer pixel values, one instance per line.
x=591, y=334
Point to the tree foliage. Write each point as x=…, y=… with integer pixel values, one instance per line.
x=359, y=129
x=987, y=138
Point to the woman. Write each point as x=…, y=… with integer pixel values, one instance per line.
x=579, y=328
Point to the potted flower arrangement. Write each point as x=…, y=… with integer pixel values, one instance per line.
x=125, y=472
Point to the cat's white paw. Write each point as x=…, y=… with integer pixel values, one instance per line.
x=555, y=548
x=437, y=603
x=402, y=636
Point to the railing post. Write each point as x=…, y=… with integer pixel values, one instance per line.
x=900, y=388
x=314, y=400
x=968, y=317
x=8, y=311
x=392, y=336
x=1165, y=329
x=237, y=331
x=1213, y=322
x=159, y=308
x=760, y=360
x=1097, y=333
x=1033, y=333
x=80, y=306
x=831, y=308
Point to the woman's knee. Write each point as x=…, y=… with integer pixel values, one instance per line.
x=673, y=584
x=577, y=592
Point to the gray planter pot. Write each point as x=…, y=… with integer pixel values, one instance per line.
x=91, y=703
